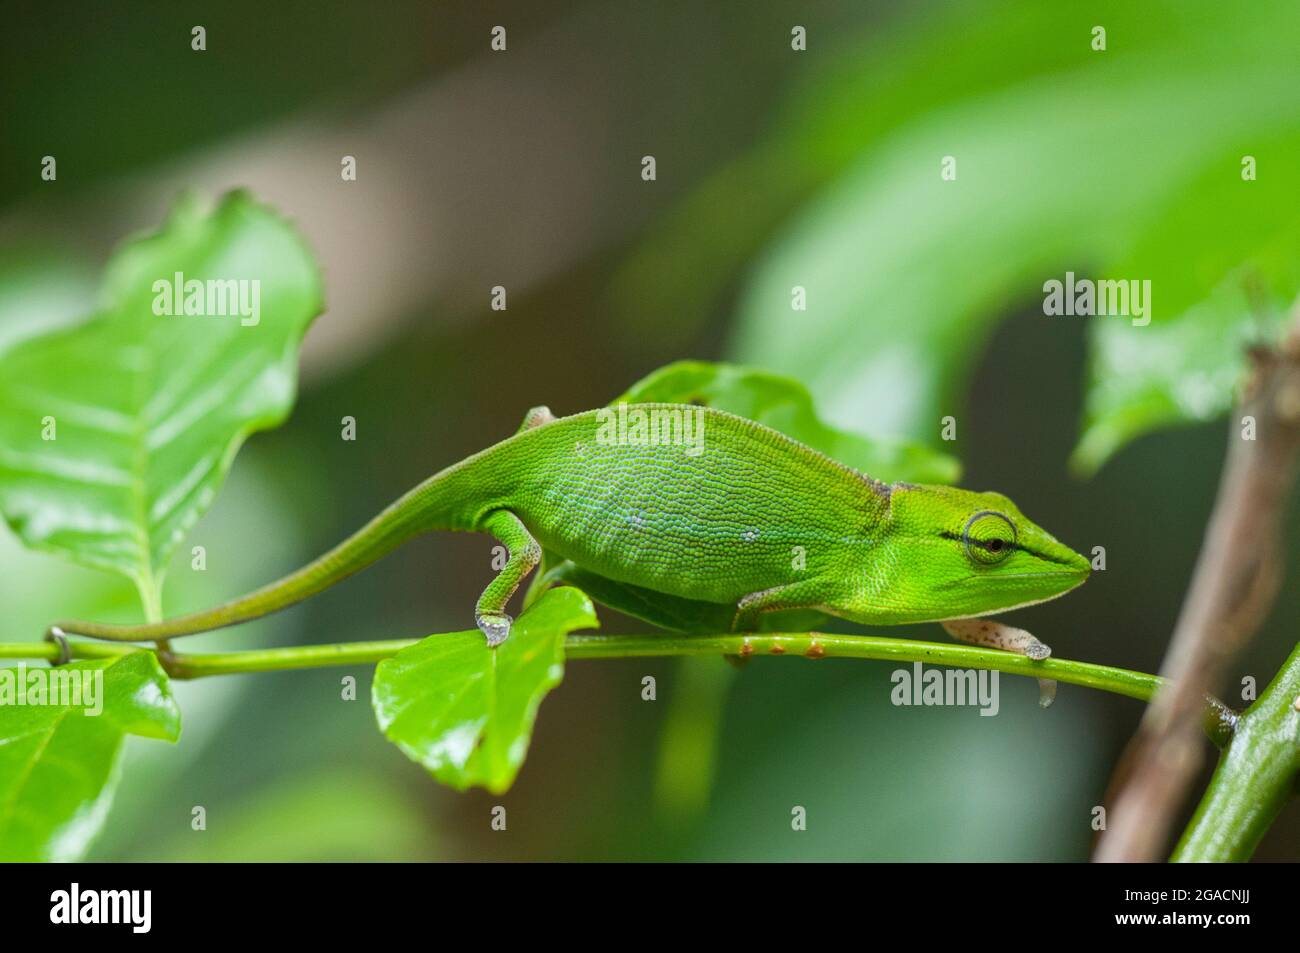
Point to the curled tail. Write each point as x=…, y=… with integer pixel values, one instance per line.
x=429, y=506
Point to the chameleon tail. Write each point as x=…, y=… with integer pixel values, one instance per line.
x=428, y=506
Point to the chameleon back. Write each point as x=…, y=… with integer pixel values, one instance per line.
x=685, y=500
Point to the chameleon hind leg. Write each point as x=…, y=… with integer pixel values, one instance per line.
x=525, y=553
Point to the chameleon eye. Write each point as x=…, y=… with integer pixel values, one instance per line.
x=988, y=537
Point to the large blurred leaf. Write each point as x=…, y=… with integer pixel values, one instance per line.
x=1067, y=159
x=906, y=273
x=859, y=90
x=466, y=711
x=150, y=410
x=862, y=89
x=1223, y=258
x=58, y=765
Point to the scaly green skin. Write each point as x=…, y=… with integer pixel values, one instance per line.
x=747, y=517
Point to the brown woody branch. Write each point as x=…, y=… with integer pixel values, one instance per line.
x=1232, y=590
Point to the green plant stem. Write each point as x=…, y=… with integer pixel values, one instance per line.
x=49, y=652
x=815, y=645
x=1254, y=779
x=199, y=665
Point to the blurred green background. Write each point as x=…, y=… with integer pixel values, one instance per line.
x=775, y=168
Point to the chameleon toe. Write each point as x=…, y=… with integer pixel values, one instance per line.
x=496, y=627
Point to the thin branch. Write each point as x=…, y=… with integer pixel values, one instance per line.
x=1232, y=589
x=1218, y=719
x=49, y=651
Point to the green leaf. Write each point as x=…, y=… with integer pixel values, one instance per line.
x=116, y=434
x=1223, y=259
x=1187, y=370
x=59, y=764
x=466, y=711
x=784, y=404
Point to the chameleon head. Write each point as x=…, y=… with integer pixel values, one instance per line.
x=957, y=553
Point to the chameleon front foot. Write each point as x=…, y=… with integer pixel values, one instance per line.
x=998, y=635
x=494, y=625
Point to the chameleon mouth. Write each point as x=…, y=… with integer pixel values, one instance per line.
x=1080, y=574
x=1053, y=584
x=1065, y=580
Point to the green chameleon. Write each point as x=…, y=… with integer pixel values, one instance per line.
x=742, y=516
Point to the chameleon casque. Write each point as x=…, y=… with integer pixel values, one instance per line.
x=718, y=524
